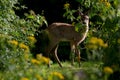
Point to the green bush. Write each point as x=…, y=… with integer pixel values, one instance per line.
x=102, y=44
x=16, y=33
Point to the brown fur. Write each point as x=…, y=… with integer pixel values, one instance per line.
x=66, y=32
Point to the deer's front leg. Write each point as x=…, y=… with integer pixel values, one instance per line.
x=77, y=52
x=72, y=53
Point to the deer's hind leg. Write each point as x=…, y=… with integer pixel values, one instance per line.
x=50, y=51
x=56, y=56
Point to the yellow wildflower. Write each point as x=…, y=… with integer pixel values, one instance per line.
x=43, y=59
x=32, y=39
x=100, y=42
x=23, y=46
x=59, y=75
x=67, y=5
x=24, y=78
x=32, y=34
x=14, y=42
x=38, y=56
x=107, y=4
x=108, y=70
x=38, y=77
x=93, y=40
x=46, y=60
x=105, y=45
x=35, y=61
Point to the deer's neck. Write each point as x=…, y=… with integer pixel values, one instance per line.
x=87, y=25
x=85, y=32
x=87, y=28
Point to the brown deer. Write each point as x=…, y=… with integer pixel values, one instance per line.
x=66, y=32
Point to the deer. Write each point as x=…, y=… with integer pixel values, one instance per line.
x=59, y=31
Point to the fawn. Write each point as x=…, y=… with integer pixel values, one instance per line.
x=66, y=32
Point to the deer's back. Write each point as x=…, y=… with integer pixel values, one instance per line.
x=64, y=31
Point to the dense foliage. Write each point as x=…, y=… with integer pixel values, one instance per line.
x=102, y=44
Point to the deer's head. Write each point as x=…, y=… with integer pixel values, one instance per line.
x=84, y=18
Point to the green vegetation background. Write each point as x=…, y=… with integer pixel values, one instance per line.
x=102, y=44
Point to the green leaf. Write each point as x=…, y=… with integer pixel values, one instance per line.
x=30, y=17
x=78, y=26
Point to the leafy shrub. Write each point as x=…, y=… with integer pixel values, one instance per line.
x=16, y=35
x=17, y=38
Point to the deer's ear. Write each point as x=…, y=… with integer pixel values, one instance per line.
x=80, y=12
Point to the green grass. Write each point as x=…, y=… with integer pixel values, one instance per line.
x=90, y=69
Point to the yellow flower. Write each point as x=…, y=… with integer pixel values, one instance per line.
x=32, y=34
x=23, y=46
x=93, y=40
x=43, y=59
x=105, y=45
x=46, y=60
x=24, y=78
x=67, y=5
x=32, y=39
x=108, y=70
x=107, y=4
x=38, y=77
x=59, y=75
x=38, y=56
x=100, y=42
x=35, y=61
x=14, y=42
